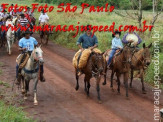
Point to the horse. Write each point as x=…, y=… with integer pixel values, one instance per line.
x=30, y=71
x=121, y=66
x=140, y=61
x=44, y=35
x=10, y=36
x=93, y=68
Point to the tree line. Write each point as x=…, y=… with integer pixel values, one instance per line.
x=119, y=4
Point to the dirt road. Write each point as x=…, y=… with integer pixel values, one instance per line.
x=60, y=102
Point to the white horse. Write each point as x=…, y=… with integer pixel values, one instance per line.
x=10, y=36
x=30, y=71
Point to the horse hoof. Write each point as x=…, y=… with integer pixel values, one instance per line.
x=23, y=91
x=77, y=87
x=99, y=101
x=25, y=98
x=35, y=103
x=144, y=92
x=104, y=83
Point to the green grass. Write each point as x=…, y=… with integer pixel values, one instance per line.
x=4, y=84
x=9, y=113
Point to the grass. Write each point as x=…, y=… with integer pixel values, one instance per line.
x=2, y=83
x=9, y=113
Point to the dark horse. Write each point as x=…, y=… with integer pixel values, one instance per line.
x=44, y=35
x=121, y=66
x=140, y=61
x=94, y=68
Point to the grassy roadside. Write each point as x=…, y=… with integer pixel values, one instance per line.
x=10, y=112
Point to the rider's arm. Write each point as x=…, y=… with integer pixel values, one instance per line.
x=96, y=43
x=21, y=49
x=78, y=43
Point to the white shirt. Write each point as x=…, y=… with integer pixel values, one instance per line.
x=1, y=14
x=43, y=18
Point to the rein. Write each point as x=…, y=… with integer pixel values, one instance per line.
x=97, y=72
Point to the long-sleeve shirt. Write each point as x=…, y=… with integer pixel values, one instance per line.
x=43, y=18
x=87, y=41
x=116, y=43
x=125, y=41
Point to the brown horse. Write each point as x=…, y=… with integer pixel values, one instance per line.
x=94, y=68
x=140, y=61
x=121, y=66
x=44, y=35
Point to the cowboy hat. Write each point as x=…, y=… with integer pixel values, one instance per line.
x=89, y=27
x=22, y=15
x=27, y=32
x=116, y=32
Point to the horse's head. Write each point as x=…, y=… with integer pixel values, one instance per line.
x=38, y=55
x=147, y=54
x=127, y=54
x=98, y=61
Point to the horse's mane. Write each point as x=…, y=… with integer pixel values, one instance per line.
x=139, y=53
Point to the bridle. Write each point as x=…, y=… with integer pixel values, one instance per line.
x=97, y=70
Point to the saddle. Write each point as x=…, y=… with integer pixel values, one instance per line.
x=22, y=60
x=80, y=58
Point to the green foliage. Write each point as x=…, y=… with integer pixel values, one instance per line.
x=9, y=113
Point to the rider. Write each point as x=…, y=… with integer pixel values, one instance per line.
x=130, y=41
x=116, y=45
x=44, y=18
x=26, y=14
x=23, y=22
x=4, y=16
x=26, y=45
x=88, y=41
x=13, y=12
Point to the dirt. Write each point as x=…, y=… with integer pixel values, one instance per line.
x=60, y=102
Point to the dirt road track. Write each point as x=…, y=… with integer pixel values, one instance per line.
x=60, y=102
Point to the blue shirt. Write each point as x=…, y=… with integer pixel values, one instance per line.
x=28, y=43
x=116, y=43
x=87, y=41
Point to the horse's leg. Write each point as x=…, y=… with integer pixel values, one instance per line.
x=77, y=81
x=25, y=94
x=126, y=83
x=47, y=39
x=142, y=81
x=105, y=73
x=85, y=85
x=118, y=82
x=132, y=71
x=8, y=46
x=23, y=85
x=35, y=92
x=111, y=84
x=98, y=88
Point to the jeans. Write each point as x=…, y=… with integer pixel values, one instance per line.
x=18, y=33
x=3, y=34
x=111, y=55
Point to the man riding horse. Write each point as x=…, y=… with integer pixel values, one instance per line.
x=23, y=22
x=88, y=41
x=26, y=46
